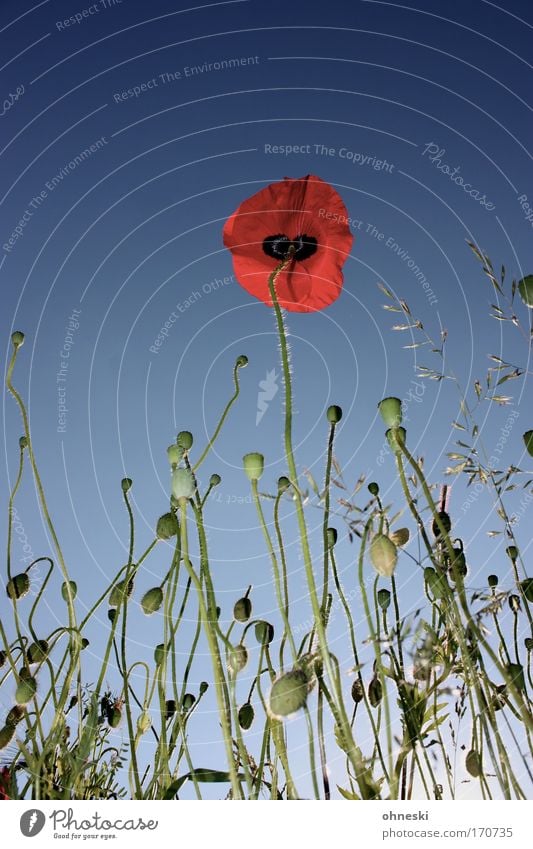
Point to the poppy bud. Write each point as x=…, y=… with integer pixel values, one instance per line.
x=391, y=411
x=152, y=601
x=528, y=442
x=242, y=361
x=114, y=716
x=170, y=708
x=38, y=651
x=126, y=484
x=144, y=722
x=84, y=643
x=473, y=764
x=6, y=735
x=15, y=715
x=458, y=566
x=283, y=484
x=73, y=590
x=182, y=484
x=167, y=526
x=246, y=716
x=400, y=537
x=3, y=658
x=188, y=701
x=396, y=438
x=514, y=603
x=184, y=440
x=525, y=290
x=288, y=693
x=492, y=580
x=17, y=338
x=214, y=480
x=120, y=591
x=23, y=442
x=384, y=555
x=159, y=653
x=445, y=521
x=254, y=465
x=373, y=488
x=516, y=673
x=242, y=610
x=111, y=613
x=384, y=599
x=527, y=588
x=26, y=690
x=264, y=633
x=512, y=552
x=18, y=587
x=375, y=692
x=528, y=644
x=332, y=537
x=358, y=693
x=174, y=454
x=334, y=414
x=204, y=687
x=237, y=659
x=436, y=583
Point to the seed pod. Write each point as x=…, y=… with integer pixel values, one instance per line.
x=527, y=588
x=254, y=465
x=396, y=437
x=514, y=603
x=18, y=587
x=114, y=717
x=152, y=601
x=384, y=599
x=6, y=735
x=159, y=653
x=237, y=659
x=214, y=480
x=332, y=537
x=288, y=693
x=120, y=591
x=373, y=488
x=17, y=338
x=170, y=708
x=391, y=411
x=473, y=764
x=264, y=633
x=126, y=484
x=167, y=526
x=174, y=454
x=358, y=692
x=144, y=722
x=334, y=414
x=15, y=715
x=188, y=701
x=400, y=537
x=73, y=590
x=525, y=290
x=384, y=555
x=242, y=610
x=184, y=440
x=246, y=716
x=492, y=580
x=375, y=692
x=445, y=521
x=204, y=687
x=26, y=690
x=182, y=484
x=38, y=651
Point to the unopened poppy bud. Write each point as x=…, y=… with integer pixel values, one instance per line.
x=384, y=555
x=23, y=442
x=400, y=537
x=214, y=480
x=174, y=454
x=396, y=438
x=188, y=701
x=170, y=708
x=528, y=442
x=334, y=414
x=237, y=659
x=373, y=488
x=492, y=580
x=18, y=587
x=204, y=687
x=527, y=588
x=73, y=590
x=254, y=465
x=111, y=614
x=38, y=651
x=167, y=526
x=246, y=716
x=114, y=717
x=126, y=484
x=283, y=484
x=445, y=521
x=159, y=653
x=384, y=599
x=242, y=361
x=120, y=592
x=6, y=735
x=436, y=583
x=288, y=693
x=528, y=644
x=358, y=693
x=514, y=603
x=516, y=674
x=391, y=411
x=17, y=338
x=242, y=610
x=15, y=715
x=182, y=484
x=332, y=537
x=264, y=633
x=184, y=440
x=26, y=690
x=85, y=642
x=152, y=601
x=144, y=722
x=473, y=764
x=375, y=692
x=512, y=552
x=525, y=290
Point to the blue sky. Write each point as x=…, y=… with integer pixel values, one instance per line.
x=129, y=136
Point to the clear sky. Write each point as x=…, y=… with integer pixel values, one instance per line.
x=129, y=133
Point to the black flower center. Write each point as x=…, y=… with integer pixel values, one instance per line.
x=279, y=246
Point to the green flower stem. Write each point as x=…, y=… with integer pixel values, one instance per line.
x=322, y=744
x=222, y=419
x=340, y=714
x=284, y=608
x=325, y=520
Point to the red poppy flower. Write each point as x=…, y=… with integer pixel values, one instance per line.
x=302, y=219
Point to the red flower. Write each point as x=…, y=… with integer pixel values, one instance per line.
x=305, y=217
